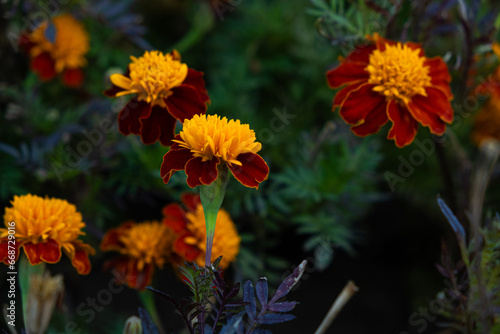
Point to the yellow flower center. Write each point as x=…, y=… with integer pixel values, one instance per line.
x=152, y=77
x=70, y=45
x=226, y=239
x=38, y=219
x=209, y=136
x=148, y=242
x=398, y=72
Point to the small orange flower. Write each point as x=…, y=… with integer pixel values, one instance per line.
x=165, y=90
x=44, y=226
x=63, y=53
x=207, y=141
x=188, y=224
x=143, y=246
x=390, y=81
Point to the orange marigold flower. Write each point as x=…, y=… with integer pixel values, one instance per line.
x=491, y=86
x=62, y=53
x=165, y=90
x=143, y=246
x=487, y=123
x=44, y=226
x=207, y=141
x=390, y=81
x=188, y=224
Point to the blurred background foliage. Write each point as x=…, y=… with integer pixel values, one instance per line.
x=265, y=63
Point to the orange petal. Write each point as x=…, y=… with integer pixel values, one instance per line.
x=440, y=76
x=359, y=103
x=347, y=73
x=404, y=126
x=81, y=262
x=253, y=170
x=372, y=122
x=121, y=81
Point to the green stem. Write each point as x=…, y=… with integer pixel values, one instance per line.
x=211, y=197
x=25, y=271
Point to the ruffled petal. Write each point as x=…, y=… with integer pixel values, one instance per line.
x=436, y=102
x=160, y=125
x=253, y=170
x=73, y=77
x=44, y=66
x=359, y=103
x=361, y=54
x=195, y=79
x=48, y=251
x=185, y=102
x=347, y=73
x=404, y=126
x=440, y=76
x=342, y=94
x=372, y=122
x=174, y=160
x=201, y=172
x=80, y=260
x=424, y=111
x=128, y=119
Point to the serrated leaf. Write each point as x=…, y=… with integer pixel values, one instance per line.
x=282, y=307
x=261, y=288
x=148, y=327
x=249, y=297
x=289, y=282
x=274, y=318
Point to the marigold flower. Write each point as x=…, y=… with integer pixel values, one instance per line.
x=491, y=86
x=44, y=226
x=143, y=246
x=487, y=123
x=166, y=90
x=390, y=81
x=64, y=54
x=188, y=224
x=207, y=141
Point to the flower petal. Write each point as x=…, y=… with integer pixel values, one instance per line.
x=80, y=259
x=342, y=94
x=419, y=109
x=48, y=251
x=372, y=122
x=195, y=79
x=188, y=252
x=361, y=54
x=436, y=102
x=111, y=240
x=121, y=81
x=201, y=172
x=160, y=125
x=73, y=77
x=44, y=66
x=359, y=103
x=253, y=170
x=440, y=76
x=128, y=119
x=185, y=102
x=404, y=126
x=347, y=73
x=174, y=217
x=4, y=250
x=173, y=161
x=190, y=200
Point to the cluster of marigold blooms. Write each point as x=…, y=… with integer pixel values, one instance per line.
x=382, y=81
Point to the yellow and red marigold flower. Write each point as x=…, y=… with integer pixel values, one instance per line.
x=143, y=246
x=391, y=81
x=44, y=226
x=64, y=54
x=187, y=222
x=207, y=141
x=165, y=90
x=487, y=123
